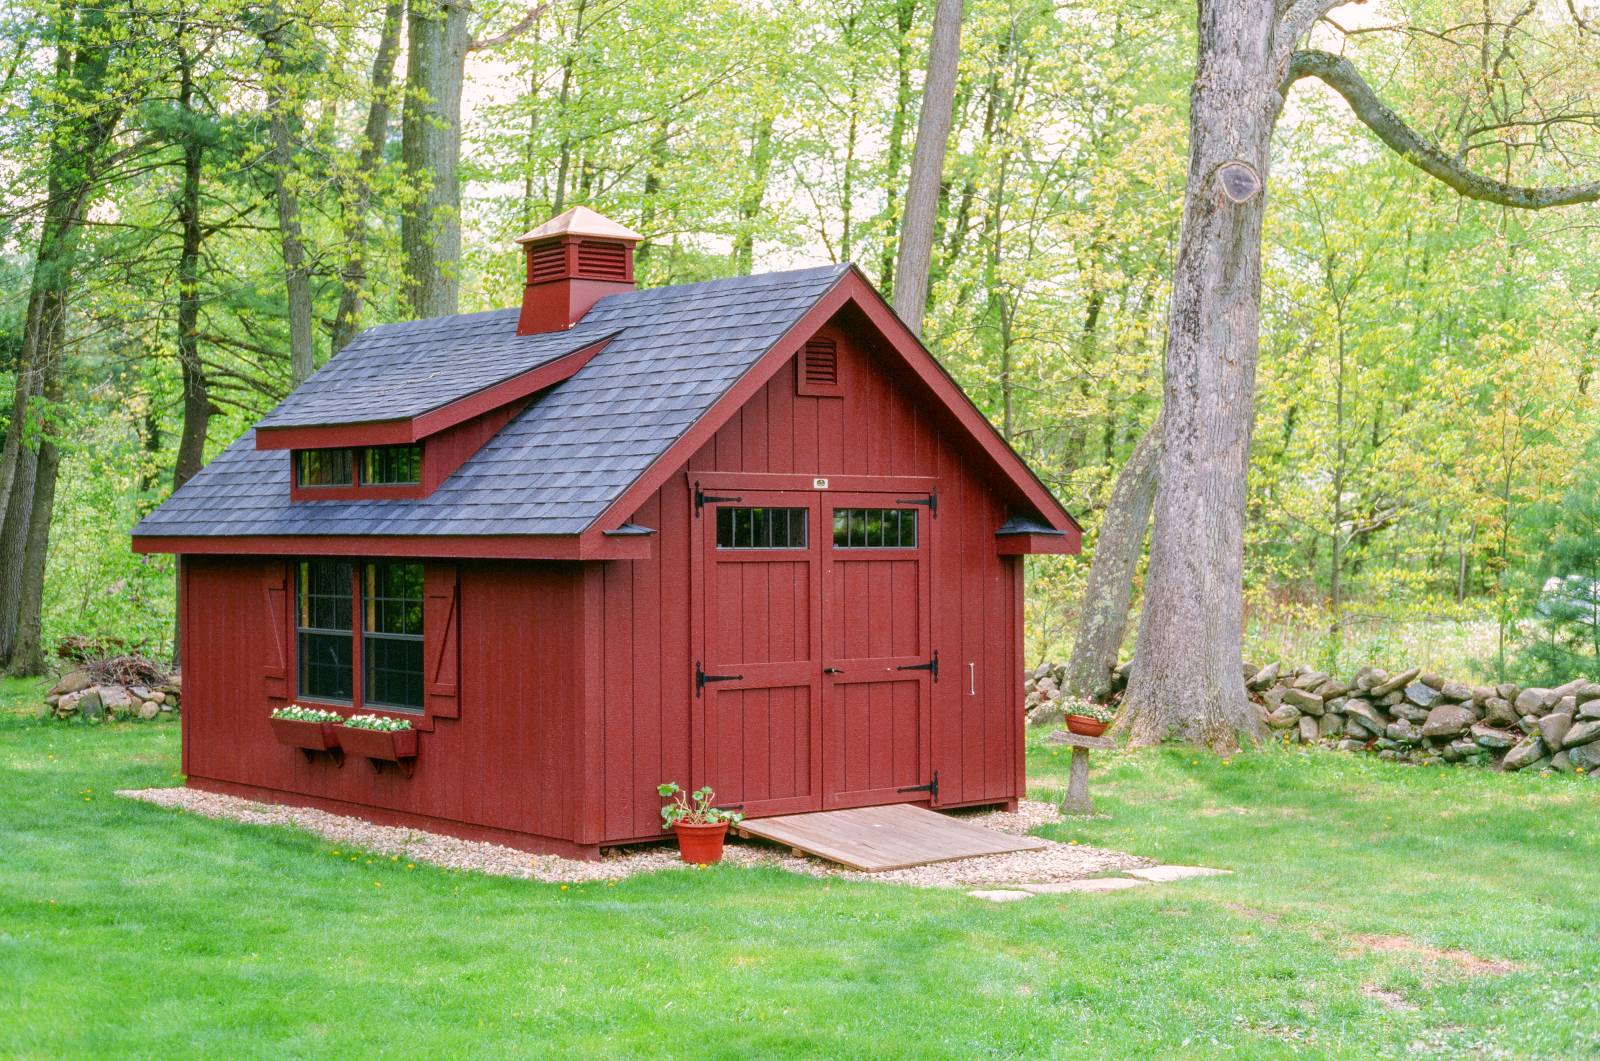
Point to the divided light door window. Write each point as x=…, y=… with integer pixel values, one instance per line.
x=383, y=668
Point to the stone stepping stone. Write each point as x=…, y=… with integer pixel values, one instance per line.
x=1163, y=874
x=1000, y=895
x=1096, y=884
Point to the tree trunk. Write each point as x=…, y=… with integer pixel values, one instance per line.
x=1109, y=590
x=1187, y=680
x=83, y=126
x=283, y=120
x=353, y=277
x=27, y=653
x=905, y=17
x=430, y=224
x=755, y=193
x=196, y=397
x=927, y=166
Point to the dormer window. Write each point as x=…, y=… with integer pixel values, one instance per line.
x=358, y=473
x=392, y=466
x=324, y=467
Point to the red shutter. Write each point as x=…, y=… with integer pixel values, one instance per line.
x=275, y=586
x=441, y=633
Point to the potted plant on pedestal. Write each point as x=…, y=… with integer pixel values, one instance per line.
x=700, y=827
x=311, y=729
x=1087, y=718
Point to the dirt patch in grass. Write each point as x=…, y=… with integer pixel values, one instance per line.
x=1387, y=999
x=1464, y=960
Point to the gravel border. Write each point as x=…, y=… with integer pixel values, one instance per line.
x=1053, y=862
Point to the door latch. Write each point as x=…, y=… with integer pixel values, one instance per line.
x=833, y=670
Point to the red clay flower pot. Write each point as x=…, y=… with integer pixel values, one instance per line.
x=1085, y=726
x=701, y=844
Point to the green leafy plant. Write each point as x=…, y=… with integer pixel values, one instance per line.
x=1075, y=705
x=296, y=713
x=692, y=808
x=382, y=723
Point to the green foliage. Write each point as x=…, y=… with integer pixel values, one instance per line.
x=298, y=713
x=692, y=808
x=380, y=723
x=1563, y=632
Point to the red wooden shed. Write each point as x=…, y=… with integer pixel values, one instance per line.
x=745, y=533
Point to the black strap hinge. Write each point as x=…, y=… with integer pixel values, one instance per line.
x=932, y=666
x=932, y=501
x=702, y=499
x=931, y=788
x=701, y=678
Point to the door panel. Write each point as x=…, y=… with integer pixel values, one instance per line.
x=757, y=720
x=876, y=648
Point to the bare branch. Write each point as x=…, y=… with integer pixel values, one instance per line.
x=1338, y=74
x=524, y=24
x=1294, y=23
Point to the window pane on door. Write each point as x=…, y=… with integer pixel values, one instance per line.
x=762, y=528
x=874, y=528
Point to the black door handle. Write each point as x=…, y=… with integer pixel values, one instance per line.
x=832, y=670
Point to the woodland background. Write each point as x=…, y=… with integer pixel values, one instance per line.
x=1425, y=448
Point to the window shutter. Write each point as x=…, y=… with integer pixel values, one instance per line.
x=275, y=590
x=441, y=632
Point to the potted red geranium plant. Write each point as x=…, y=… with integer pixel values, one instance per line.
x=700, y=827
x=1087, y=718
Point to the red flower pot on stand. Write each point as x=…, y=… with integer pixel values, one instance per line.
x=701, y=844
x=1085, y=726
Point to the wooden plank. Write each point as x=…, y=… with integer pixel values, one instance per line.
x=875, y=839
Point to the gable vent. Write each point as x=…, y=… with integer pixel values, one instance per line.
x=820, y=364
x=602, y=261
x=548, y=262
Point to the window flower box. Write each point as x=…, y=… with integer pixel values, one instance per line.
x=312, y=735
x=381, y=746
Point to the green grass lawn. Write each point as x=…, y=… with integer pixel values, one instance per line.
x=130, y=930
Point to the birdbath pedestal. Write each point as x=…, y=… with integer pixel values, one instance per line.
x=1077, y=800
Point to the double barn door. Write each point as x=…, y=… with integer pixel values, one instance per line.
x=813, y=655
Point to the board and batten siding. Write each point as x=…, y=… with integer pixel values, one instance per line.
x=501, y=769
x=642, y=678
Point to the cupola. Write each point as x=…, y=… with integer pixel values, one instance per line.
x=574, y=261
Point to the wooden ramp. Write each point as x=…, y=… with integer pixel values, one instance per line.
x=875, y=839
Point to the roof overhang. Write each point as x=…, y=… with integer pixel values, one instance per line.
x=631, y=543
x=416, y=428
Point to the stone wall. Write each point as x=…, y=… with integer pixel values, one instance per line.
x=1409, y=716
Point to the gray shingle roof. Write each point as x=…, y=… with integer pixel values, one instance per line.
x=564, y=459
x=396, y=371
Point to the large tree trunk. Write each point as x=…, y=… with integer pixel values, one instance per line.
x=83, y=126
x=353, y=278
x=927, y=166
x=430, y=148
x=1109, y=590
x=196, y=395
x=755, y=191
x=27, y=652
x=1187, y=680
x=283, y=121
